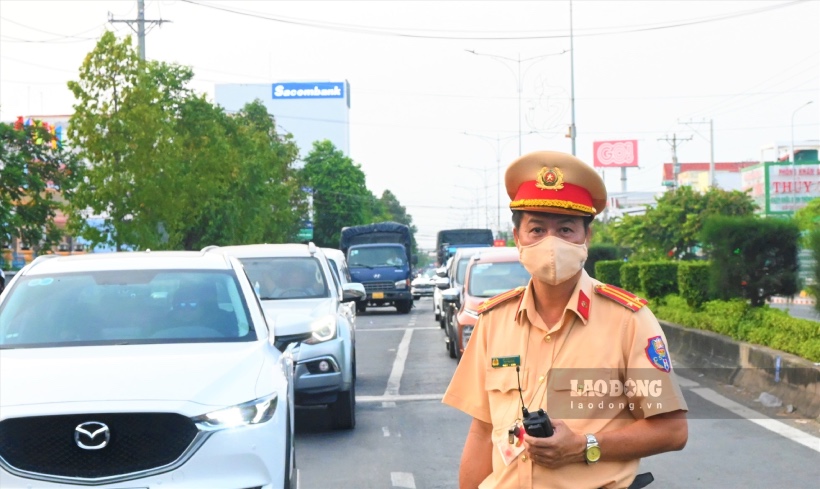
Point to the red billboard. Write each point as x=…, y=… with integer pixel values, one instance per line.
x=615, y=154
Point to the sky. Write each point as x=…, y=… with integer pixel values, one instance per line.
x=437, y=87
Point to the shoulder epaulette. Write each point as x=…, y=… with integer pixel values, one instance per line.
x=621, y=296
x=498, y=299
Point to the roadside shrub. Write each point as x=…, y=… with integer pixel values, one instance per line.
x=752, y=257
x=598, y=253
x=630, y=276
x=609, y=271
x=693, y=282
x=659, y=278
x=740, y=321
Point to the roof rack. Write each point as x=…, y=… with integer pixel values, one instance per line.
x=209, y=248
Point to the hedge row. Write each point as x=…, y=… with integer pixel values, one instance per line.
x=737, y=319
x=679, y=293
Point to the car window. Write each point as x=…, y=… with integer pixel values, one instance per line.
x=125, y=306
x=461, y=269
x=490, y=279
x=287, y=277
x=334, y=272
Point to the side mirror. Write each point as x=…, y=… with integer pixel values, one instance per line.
x=441, y=272
x=352, y=291
x=442, y=283
x=450, y=295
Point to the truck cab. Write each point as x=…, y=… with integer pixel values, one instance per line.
x=379, y=257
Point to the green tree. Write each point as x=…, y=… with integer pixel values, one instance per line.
x=340, y=194
x=235, y=178
x=123, y=125
x=392, y=210
x=751, y=257
x=36, y=176
x=672, y=228
x=170, y=170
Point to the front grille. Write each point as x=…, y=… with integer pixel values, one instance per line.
x=138, y=442
x=379, y=286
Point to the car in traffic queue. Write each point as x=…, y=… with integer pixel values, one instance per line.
x=424, y=284
x=488, y=273
x=441, y=283
x=301, y=295
x=450, y=294
x=338, y=265
x=142, y=369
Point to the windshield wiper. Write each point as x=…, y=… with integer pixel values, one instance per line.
x=360, y=265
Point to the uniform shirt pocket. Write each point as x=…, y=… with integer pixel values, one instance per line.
x=502, y=391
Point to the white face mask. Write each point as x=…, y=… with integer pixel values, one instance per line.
x=553, y=260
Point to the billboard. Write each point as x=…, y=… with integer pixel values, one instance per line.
x=782, y=187
x=615, y=154
x=308, y=90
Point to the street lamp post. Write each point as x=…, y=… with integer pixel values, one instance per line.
x=791, y=158
x=518, y=77
x=498, y=148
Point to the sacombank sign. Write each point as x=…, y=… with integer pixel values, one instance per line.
x=308, y=90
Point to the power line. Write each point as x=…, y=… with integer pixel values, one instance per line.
x=410, y=33
x=59, y=36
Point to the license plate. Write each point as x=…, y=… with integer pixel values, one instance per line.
x=378, y=295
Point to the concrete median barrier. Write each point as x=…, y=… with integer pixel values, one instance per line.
x=754, y=368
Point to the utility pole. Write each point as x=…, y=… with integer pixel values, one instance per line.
x=140, y=25
x=572, y=132
x=675, y=165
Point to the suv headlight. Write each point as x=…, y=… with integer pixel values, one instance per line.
x=248, y=413
x=324, y=329
x=401, y=284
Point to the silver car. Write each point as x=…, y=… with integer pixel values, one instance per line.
x=300, y=294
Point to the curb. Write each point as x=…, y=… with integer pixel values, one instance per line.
x=752, y=367
x=798, y=301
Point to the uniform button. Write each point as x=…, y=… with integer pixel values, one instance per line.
x=523, y=458
x=541, y=379
x=548, y=338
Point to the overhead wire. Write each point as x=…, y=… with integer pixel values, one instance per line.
x=410, y=33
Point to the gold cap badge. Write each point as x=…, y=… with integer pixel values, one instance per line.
x=550, y=179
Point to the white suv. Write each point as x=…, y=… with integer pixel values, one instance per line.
x=141, y=369
x=301, y=295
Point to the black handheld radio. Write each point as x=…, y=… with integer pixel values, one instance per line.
x=536, y=424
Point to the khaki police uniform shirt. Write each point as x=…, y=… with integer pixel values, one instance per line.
x=568, y=369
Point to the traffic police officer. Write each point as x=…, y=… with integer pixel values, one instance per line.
x=591, y=355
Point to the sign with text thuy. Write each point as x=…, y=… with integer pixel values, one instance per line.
x=615, y=154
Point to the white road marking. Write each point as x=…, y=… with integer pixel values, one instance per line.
x=684, y=382
x=403, y=479
x=387, y=398
x=385, y=431
x=385, y=404
x=770, y=424
x=359, y=330
x=394, y=381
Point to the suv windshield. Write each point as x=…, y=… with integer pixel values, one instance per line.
x=124, y=307
x=286, y=278
x=490, y=279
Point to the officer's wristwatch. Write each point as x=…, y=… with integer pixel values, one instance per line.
x=593, y=452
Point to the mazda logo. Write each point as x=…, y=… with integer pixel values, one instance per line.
x=92, y=435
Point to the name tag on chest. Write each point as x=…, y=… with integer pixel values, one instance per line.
x=499, y=362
